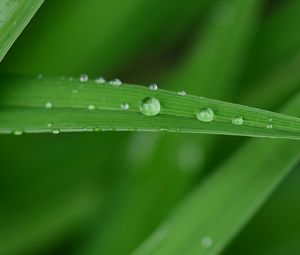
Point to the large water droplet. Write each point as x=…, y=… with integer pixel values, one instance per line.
x=124, y=106
x=116, y=82
x=84, y=78
x=238, y=120
x=48, y=105
x=150, y=106
x=153, y=86
x=205, y=115
x=206, y=242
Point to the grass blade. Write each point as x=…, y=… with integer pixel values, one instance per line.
x=237, y=190
x=14, y=16
x=25, y=108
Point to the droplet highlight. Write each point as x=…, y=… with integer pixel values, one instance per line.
x=238, y=120
x=124, y=106
x=116, y=82
x=150, y=106
x=205, y=115
x=18, y=132
x=48, y=105
x=91, y=107
x=100, y=80
x=181, y=93
x=84, y=78
x=206, y=242
x=153, y=87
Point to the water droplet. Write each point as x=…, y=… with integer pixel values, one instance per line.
x=205, y=115
x=49, y=125
x=115, y=82
x=269, y=125
x=91, y=107
x=48, y=105
x=100, y=80
x=237, y=120
x=150, y=106
x=124, y=106
x=206, y=242
x=153, y=86
x=18, y=132
x=55, y=131
x=84, y=78
x=181, y=93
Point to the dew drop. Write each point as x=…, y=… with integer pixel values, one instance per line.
x=100, y=80
x=269, y=126
x=115, y=82
x=124, y=106
x=153, y=87
x=206, y=242
x=49, y=125
x=237, y=120
x=91, y=107
x=150, y=106
x=55, y=131
x=181, y=93
x=48, y=105
x=18, y=132
x=84, y=78
x=205, y=115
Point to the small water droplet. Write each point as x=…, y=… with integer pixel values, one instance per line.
x=205, y=115
x=115, y=82
x=55, y=131
x=18, y=132
x=124, y=106
x=91, y=107
x=49, y=125
x=153, y=87
x=269, y=125
x=150, y=106
x=48, y=105
x=206, y=242
x=237, y=120
x=84, y=78
x=181, y=93
x=100, y=80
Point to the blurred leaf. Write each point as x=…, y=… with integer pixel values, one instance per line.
x=283, y=208
x=29, y=105
x=213, y=214
x=14, y=16
x=114, y=40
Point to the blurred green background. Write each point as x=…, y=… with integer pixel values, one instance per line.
x=104, y=193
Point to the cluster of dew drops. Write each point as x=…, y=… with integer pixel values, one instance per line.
x=150, y=106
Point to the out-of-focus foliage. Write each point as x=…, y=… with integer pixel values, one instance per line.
x=105, y=193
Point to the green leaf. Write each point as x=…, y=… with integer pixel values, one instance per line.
x=220, y=206
x=14, y=16
x=52, y=105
